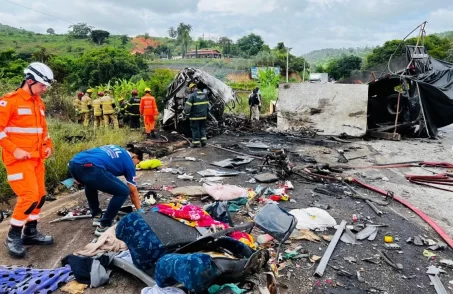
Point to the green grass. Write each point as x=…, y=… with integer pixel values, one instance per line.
x=268, y=94
x=61, y=45
x=56, y=166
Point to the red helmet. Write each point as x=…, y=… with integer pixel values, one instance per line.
x=80, y=94
x=100, y=94
x=134, y=92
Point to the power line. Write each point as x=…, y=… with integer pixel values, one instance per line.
x=38, y=11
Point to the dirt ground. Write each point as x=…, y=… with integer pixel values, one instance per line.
x=298, y=274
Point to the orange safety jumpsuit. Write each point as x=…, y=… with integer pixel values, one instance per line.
x=148, y=109
x=23, y=125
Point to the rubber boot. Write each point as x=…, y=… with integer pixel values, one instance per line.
x=32, y=236
x=153, y=135
x=14, y=242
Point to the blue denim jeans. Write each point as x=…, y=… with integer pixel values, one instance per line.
x=98, y=179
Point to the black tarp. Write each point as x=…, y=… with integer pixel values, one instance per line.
x=436, y=95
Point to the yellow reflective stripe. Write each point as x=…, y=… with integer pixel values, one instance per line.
x=189, y=103
x=18, y=130
x=201, y=103
x=197, y=118
x=196, y=142
x=203, y=139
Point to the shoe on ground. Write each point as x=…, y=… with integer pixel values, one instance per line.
x=100, y=230
x=37, y=239
x=97, y=220
x=15, y=246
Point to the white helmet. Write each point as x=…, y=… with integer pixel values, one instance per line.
x=39, y=72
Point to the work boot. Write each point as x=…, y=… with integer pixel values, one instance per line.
x=153, y=135
x=32, y=236
x=203, y=143
x=14, y=242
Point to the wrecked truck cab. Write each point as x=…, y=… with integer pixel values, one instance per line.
x=220, y=96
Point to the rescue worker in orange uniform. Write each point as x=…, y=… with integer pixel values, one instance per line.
x=108, y=110
x=77, y=107
x=97, y=111
x=85, y=107
x=25, y=144
x=148, y=109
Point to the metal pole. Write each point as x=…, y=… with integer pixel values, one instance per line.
x=287, y=63
x=303, y=75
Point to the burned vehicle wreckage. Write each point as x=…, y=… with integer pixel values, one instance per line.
x=220, y=96
x=415, y=100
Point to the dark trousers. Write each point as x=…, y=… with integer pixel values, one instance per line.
x=134, y=122
x=198, y=132
x=98, y=179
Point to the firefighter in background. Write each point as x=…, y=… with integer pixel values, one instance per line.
x=85, y=107
x=121, y=114
x=97, y=111
x=25, y=144
x=77, y=104
x=132, y=110
x=196, y=109
x=108, y=110
x=148, y=109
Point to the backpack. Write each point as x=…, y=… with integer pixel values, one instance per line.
x=254, y=99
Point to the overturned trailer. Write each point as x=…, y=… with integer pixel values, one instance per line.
x=411, y=95
x=220, y=96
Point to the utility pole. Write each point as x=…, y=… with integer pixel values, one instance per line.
x=287, y=63
x=303, y=75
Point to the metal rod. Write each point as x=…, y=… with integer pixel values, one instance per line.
x=325, y=258
x=236, y=152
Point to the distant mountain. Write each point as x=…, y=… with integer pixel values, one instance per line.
x=6, y=28
x=322, y=56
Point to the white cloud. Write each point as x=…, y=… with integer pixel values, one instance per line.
x=304, y=25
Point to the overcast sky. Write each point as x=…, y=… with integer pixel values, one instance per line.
x=304, y=25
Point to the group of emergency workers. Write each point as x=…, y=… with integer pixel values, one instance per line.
x=105, y=112
x=25, y=145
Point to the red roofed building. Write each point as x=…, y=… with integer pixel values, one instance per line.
x=204, y=53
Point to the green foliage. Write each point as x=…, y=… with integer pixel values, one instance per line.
x=99, y=36
x=268, y=78
x=99, y=66
x=80, y=30
x=124, y=39
x=264, y=58
x=342, y=67
x=436, y=46
x=50, y=31
x=243, y=86
x=183, y=37
x=250, y=45
x=11, y=67
x=323, y=56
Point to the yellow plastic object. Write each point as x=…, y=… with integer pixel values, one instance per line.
x=149, y=164
x=388, y=239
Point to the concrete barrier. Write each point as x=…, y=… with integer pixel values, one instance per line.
x=331, y=109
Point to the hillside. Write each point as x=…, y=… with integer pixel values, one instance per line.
x=322, y=56
x=27, y=42
x=447, y=34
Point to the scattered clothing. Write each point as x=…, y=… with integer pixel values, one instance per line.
x=126, y=256
x=232, y=287
x=157, y=290
x=190, y=215
x=90, y=271
x=149, y=164
x=23, y=280
x=225, y=192
x=106, y=243
x=195, y=271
